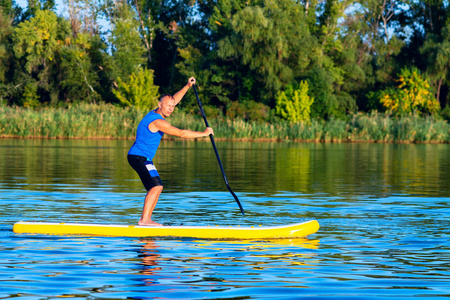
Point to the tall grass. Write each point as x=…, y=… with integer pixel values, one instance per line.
x=80, y=121
x=109, y=121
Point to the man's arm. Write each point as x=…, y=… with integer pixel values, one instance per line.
x=164, y=126
x=180, y=94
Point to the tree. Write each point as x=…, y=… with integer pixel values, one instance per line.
x=272, y=39
x=320, y=83
x=138, y=90
x=35, y=45
x=6, y=31
x=411, y=95
x=128, y=51
x=77, y=81
x=83, y=16
x=35, y=40
x=220, y=81
x=162, y=26
x=294, y=105
x=436, y=51
x=33, y=6
x=338, y=67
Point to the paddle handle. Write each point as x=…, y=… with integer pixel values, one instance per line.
x=217, y=153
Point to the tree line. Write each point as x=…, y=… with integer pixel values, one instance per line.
x=255, y=59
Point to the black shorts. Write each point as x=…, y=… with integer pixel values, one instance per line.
x=146, y=171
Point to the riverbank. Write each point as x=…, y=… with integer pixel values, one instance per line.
x=105, y=121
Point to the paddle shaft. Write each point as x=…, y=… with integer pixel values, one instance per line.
x=217, y=153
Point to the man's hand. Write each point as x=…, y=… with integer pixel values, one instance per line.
x=180, y=94
x=191, y=82
x=208, y=131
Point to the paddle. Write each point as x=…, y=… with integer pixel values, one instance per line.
x=217, y=153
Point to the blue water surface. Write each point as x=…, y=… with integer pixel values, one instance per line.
x=383, y=210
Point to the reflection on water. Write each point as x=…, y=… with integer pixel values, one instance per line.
x=383, y=210
x=201, y=268
x=149, y=255
x=334, y=169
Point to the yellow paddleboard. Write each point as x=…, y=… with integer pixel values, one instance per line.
x=204, y=232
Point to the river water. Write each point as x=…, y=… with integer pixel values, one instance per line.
x=383, y=210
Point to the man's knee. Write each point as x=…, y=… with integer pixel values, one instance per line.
x=156, y=189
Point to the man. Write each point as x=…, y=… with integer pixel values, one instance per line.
x=148, y=136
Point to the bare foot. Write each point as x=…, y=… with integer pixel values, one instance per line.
x=148, y=223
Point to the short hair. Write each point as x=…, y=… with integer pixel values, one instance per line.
x=164, y=96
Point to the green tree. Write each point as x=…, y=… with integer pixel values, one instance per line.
x=427, y=45
x=294, y=105
x=5, y=33
x=33, y=6
x=342, y=63
x=321, y=87
x=30, y=98
x=216, y=78
x=436, y=51
x=272, y=39
x=77, y=80
x=35, y=46
x=248, y=110
x=128, y=51
x=35, y=40
x=139, y=90
x=165, y=27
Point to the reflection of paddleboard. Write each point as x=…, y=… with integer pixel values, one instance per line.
x=204, y=232
x=260, y=244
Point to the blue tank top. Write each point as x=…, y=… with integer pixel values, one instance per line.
x=147, y=142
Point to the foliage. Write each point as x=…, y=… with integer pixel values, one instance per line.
x=35, y=40
x=445, y=113
x=138, y=91
x=5, y=31
x=271, y=38
x=248, y=110
x=411, y=95
x=320, y=85
x=127, y=48
x=77, y=80
x=294, y=105
x=436, y=50
x=243, y=54
x=30, y=97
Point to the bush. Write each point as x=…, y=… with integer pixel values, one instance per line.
x=139, y=91
x=411, y=95
x=445, y=113
x=248, y=110
x=294, y=105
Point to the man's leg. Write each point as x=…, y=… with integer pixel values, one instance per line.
x=149, y=205
x=152, y=183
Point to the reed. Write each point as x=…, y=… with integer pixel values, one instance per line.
x=109, y=121
x=79, y=121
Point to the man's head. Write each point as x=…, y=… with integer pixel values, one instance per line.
x=163, y=96
x=166, y=105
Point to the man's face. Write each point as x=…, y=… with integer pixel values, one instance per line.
x=166, y=106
